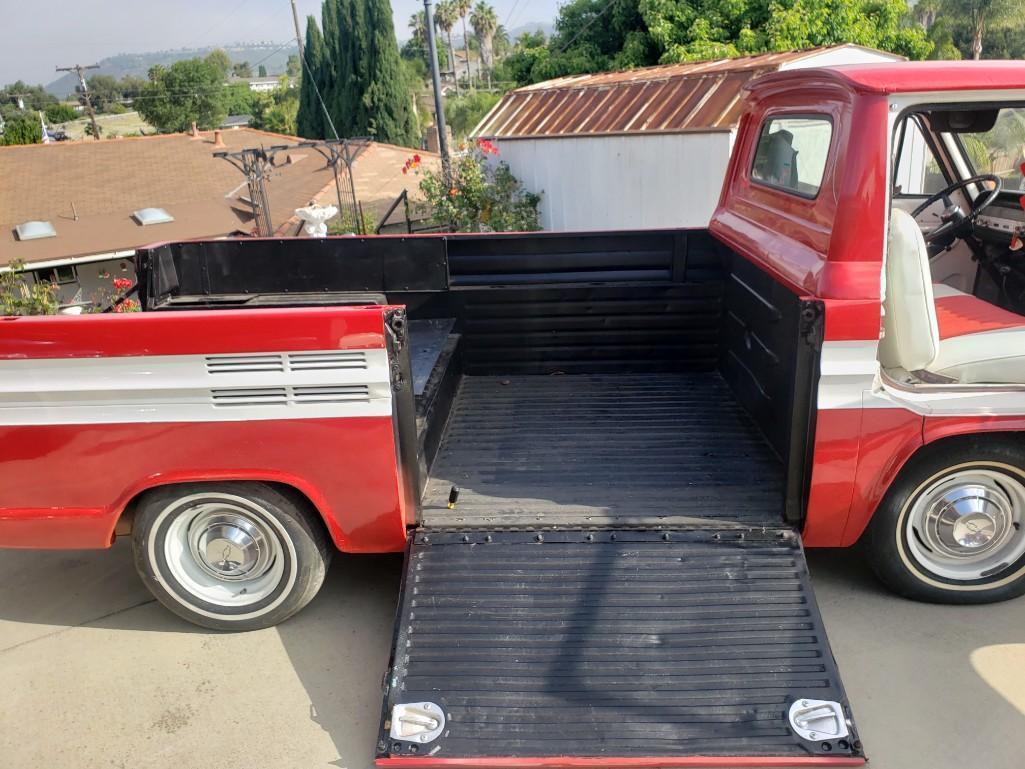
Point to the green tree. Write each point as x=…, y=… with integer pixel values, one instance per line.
x=484, y=21
x=262, y=71
x=60, y=113
x=104, y=92
x=219, y=59
x=370, y=96
x=310, y=119
x=24, y=129
x=242, y=69
x=293, y=67
x=34, y=97
x=983, y=16
x=188, y=91
x=464, y=112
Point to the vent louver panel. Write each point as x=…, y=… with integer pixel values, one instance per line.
x=244, y=364
x=285, y=396
x=331, y=394
x=250, y=396
x=340, y=359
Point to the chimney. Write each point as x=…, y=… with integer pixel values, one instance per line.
x=194, y=133
x=218, y=140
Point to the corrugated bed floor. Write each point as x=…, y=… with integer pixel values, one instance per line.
x=602, y=449
x=612, y=643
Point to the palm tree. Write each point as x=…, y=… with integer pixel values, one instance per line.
x=445, y=19
x=485, y=22
x=462, y=7
x=418, y=26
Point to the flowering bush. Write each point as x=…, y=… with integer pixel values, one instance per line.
x=479, y=196
x=19, y=295
x=114, y=298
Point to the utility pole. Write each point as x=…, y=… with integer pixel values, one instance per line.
x=79, y=69
x=298, y=36
x=439, y=107
x=256, y=164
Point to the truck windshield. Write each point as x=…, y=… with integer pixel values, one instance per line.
x=1000, y=150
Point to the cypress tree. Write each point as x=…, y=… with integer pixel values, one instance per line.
x=360, y=74
x=310, y=121
x=386, y=98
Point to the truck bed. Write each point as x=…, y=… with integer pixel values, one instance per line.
x=601, y=449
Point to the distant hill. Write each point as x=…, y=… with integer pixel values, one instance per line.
x=532, y=26
x=139, y=64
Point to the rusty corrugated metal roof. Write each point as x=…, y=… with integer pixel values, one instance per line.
x=693, y=96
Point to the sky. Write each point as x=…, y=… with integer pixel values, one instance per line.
x=37, y=37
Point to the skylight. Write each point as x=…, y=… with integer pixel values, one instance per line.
x=35, y=230
x=147, y=216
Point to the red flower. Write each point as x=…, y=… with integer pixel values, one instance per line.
x=122, y=283
x=487, y=147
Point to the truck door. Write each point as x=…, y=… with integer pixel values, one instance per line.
x=612, y=648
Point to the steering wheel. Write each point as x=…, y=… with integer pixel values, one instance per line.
x=952, y=216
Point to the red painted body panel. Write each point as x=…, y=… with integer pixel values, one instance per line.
x=192, y=333
x=64, y=486
x=937, y=428
x=888, y=439
x=584, y=762
x=837, y=442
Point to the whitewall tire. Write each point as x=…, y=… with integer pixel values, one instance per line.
x=951, y=529
x=229, y=556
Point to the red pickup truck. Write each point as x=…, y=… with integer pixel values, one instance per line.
x=602, y=453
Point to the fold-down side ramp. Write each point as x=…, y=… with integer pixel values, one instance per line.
x=631, y=648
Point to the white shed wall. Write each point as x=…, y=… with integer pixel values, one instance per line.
x=622, y=182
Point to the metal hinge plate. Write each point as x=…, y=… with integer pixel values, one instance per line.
x=419, y=722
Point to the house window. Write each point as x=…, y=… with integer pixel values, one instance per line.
x=792, y=153
x=62, y=275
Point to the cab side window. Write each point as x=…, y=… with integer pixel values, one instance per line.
x=792, y=154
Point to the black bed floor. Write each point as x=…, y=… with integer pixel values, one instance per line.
x=587, y=450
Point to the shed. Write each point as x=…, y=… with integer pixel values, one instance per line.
x=641, y=148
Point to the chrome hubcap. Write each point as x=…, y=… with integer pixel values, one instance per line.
x=226, y=550
x=968, y=524
x=968, y=520
x=229, y=546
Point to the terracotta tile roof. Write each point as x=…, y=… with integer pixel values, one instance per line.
x=104, y=182
x=692, y=96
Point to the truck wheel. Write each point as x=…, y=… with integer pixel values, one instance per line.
x=229, y=556
x=952, y=526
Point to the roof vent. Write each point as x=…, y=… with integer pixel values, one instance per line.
x=147, y=216
x=35, y=230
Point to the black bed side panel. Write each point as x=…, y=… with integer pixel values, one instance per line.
x=611, y=644
x=771, y=340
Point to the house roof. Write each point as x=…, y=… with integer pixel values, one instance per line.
x=671, y=98
x=88, y=189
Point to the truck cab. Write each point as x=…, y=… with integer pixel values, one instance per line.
x=603, y=454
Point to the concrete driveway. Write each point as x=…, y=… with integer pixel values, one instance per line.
x=93, y=673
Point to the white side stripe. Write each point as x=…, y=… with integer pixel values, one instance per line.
x=847, y=374
x=195, y=388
